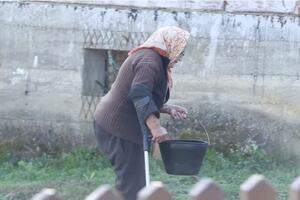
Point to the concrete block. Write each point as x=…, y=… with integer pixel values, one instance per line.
x=166, y=4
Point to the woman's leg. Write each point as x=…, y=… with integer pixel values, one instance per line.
x=130, y=170
x=127, y=159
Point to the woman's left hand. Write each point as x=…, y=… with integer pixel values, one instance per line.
x=178, y=112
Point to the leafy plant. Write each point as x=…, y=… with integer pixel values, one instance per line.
x=78, y=173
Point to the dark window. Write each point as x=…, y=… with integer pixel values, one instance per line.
x=99, y=72
x=94, y=72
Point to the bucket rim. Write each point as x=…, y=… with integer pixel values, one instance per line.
x=177, y=141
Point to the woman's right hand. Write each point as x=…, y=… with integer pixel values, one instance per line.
x=160, y=134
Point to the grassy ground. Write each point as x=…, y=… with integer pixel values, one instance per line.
x=76, y=174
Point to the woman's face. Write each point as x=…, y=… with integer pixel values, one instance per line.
x=179, y=58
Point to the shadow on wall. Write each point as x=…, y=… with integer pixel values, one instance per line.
x=230, y=127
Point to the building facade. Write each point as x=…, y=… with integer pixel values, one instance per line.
x=240, y=77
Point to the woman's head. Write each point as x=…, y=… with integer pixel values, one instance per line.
x=168, y=41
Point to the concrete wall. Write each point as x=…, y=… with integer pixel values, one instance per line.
x=240, y=76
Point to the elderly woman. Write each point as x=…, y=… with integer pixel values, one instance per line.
x=144, y=80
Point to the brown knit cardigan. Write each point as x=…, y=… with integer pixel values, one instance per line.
x=116, y=112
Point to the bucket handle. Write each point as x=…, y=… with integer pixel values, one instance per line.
x=208, y=139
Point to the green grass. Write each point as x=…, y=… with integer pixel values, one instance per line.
x=74, y=175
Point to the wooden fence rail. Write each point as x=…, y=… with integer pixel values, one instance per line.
x=255, y=187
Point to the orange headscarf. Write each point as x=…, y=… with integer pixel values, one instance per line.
x=168, y=41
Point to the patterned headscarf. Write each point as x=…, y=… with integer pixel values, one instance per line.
x=168, y=41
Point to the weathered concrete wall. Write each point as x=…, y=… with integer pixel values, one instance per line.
x=231, y=6
x=240, y=75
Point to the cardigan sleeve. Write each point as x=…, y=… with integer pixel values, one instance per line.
x=146, y=75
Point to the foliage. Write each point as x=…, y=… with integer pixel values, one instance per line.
x=78, y=173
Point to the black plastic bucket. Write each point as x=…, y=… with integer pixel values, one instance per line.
x=183, y=157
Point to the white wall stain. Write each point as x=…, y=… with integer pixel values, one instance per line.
x=19, y=75
x=35, y=61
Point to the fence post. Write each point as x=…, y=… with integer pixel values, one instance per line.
x=104, y=192
x=256, y=187
x=46, y=194
x=294, y=193
x=155, y=191
x=206, y=189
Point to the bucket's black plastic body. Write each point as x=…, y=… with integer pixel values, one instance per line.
x=183, y=157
